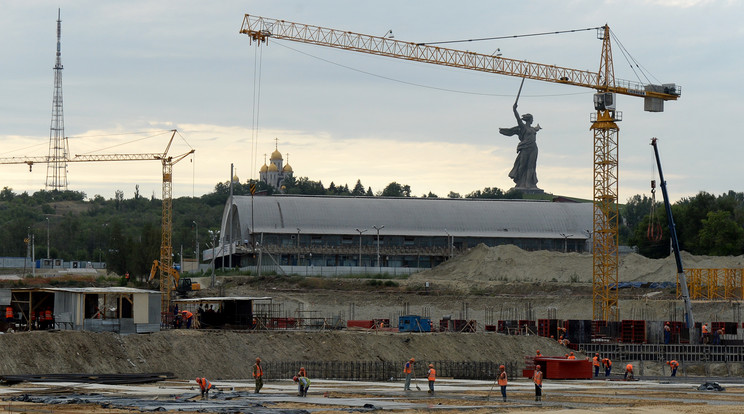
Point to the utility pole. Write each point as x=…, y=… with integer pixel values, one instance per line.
x=360, y=245
x=196, y=242
x=229, y=229
x=49, y=257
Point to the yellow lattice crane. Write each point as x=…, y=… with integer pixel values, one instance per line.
x=604, y=121
x=166, y=245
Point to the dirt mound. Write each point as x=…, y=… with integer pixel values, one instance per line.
x=230, y=354
x=509, y=263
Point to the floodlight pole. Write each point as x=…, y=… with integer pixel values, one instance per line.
x=360, y=245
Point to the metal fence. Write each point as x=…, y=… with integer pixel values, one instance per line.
x=386, y=370
x=660, y=352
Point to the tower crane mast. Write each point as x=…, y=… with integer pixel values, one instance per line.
x=166, y=243
x=604, y=120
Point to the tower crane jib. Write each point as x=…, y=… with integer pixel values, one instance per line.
x=604, y=120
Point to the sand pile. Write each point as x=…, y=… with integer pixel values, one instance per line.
x=509, y=263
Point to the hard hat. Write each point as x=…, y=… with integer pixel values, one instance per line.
x=294, y=378
x=258, y=359
x=537, y=366
x=413, y=359
x=597, y=354
x=431, y=365
x=571, y=352
x=538, y=351
x=502, y=367
x=197, y=379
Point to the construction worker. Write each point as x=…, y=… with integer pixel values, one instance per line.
x=408, y=370
x=667, y=333
x=607, y=364
x=673, y=365
x=537, y=378
x=595, y=363
x=205, y=386
x=628, y=372
x=503, y=380
x=706, y=334
x=48, y=318
x=9, y=315
x=188, y=317
x=431, y=376
x=258, y=374
x=301, y=373
x=571, y=355
x=537, y=353
x=303, y=384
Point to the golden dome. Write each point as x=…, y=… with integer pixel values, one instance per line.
x=264, y=168
x=287, y=168
x=276, y=155
x=273, y=168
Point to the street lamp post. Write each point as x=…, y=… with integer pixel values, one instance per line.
x=298, y=246
x=360, y=245
x=565, y=241
x=379, y=265
x=196, y=241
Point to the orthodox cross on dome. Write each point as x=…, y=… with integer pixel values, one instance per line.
x=276, y=143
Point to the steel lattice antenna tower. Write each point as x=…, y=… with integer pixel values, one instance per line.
x=58, y=149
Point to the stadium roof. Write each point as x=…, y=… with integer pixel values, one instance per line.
x=405, y=216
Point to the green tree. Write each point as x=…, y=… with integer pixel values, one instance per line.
x=358, y=189
x=453, y=194
x=720, y=235
x=396, y=190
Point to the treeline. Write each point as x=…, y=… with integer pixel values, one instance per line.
x=126, y=233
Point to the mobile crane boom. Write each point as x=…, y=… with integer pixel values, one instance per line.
x=689, y=319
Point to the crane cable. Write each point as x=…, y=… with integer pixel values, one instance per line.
x=633, y=63
x=257, y=65
x=653, y=231
x=507, y=37
x=277, y=42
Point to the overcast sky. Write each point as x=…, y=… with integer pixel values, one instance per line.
x=134, y=69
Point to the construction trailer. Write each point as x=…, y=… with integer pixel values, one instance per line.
x=97, y=309
x=231, y=312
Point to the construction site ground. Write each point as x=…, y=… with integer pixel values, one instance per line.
x=325, y=396
x=485, y=284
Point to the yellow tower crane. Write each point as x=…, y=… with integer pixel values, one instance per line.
x=604, y=121
x=166, y=245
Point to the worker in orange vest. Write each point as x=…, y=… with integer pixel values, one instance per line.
x=628, y=372
x=537, y=378
x=205, y=386
x=9, y=315
x=607, y=363
x=48, y=318
x=673, y=364
x=571, y=355
x=188, y=316
x=431, y=376
x=595, y=363
x=706, y=333
x=258, y=375
x=503, y=380
x=408, y=369
x=537, y=353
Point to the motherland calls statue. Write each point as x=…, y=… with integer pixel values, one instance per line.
x=524, y=171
